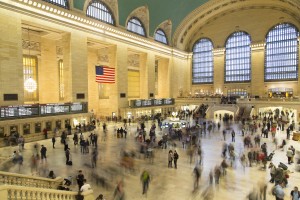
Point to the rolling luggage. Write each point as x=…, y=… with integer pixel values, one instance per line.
x=283, y=166
x=270, y=156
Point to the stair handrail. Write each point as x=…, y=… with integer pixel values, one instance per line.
x=27, y=180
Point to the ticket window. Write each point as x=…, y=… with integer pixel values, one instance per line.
x=37, y=127
x=26, y=129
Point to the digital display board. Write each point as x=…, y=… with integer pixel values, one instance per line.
x=23, y=111
x=147, y=102
x=28, y=111
x=137, y=103
x=76, y=107
x=54, y=109
x=151, y=102
x=158, y=102
x=169, y=101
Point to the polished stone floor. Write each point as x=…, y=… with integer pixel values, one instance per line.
x=166, y=183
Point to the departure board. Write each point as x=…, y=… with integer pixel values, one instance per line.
x=54, y=109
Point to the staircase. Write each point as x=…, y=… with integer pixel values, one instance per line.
x=18, y=186
x=14, y=192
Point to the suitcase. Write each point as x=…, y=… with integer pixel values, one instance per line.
x=69, y=162
x=283, y=166
x=269, y=158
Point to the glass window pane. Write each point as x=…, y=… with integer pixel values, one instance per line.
x=134, y=25
x=100, y=11
x=61, y=3
x=203, y=67
x=281, y=53
x=238, y=58
x=160, y=36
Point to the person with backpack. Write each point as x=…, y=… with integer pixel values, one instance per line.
x=295, y=194
x=176, y=157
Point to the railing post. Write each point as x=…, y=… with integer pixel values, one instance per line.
x=3, y=192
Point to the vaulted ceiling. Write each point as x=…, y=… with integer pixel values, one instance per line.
x=159, y=10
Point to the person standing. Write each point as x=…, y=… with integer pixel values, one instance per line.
x=85, y=186
x=170, y=158
x=176, y=156
x=289, y=154
x=145, y=178
x=288, y=133
x=80, y=178
x=224, y=134
x=53, y=142
x=67, y=153
x=94, y=157
x=295, y=194
x=278, y=192
x=232, y=136
x=197, y=175
x=43, y=153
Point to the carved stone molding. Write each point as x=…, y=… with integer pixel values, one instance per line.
x=133, y=60
x=103, y=55
x=31, y=45
x=59, y=51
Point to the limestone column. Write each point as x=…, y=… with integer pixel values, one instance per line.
x=257, y=69
x=67, y=66
x=48, y=74
x=219, y=71
x=163, y=78
x=76, y=66
x=147, y=75
x=121, y=75
x=11, y=63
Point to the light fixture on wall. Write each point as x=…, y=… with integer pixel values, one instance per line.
x=30, y=84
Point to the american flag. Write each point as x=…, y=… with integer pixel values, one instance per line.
x=105, y=74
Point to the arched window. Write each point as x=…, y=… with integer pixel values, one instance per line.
x=100, y=11
x=61, y=3
x=30, y=70
x=134, y=25
x=282, y=53
x=160, y=36
x=238, y=58
x=203, y=65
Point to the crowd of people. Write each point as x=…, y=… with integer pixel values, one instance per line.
x=256, y=154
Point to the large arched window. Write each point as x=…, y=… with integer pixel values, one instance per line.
x=160, y=36
x=238, y=58
x=203, y=65
x=281, y=53
x=61, y=3
x=100, y=11
x=134, y=25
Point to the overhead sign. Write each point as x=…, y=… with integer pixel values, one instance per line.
x=139, y=103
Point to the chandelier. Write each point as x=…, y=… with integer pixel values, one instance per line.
x=30, y=85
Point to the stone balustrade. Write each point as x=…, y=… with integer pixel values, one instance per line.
x=29, y=181
x=14, y=192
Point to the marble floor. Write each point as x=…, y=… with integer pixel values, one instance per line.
x=166, y=183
